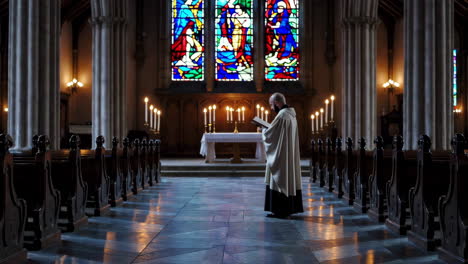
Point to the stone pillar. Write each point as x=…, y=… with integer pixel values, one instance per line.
x=33, y=88
x=108, y=20
x=359, y=114
x=428, y=72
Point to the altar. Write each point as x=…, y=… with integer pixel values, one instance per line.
x=208, y=141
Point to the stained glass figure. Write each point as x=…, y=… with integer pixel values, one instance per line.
x=455, y=88
x=187, y=40
x=282, y=40
x=234, y=40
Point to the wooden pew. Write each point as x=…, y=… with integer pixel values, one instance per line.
x=319, y=165
x=113, y=166
x=157, y=159
x=329, y=164
x=361, y=183
x=453, y=207
x=136, y=166
x=33, y=183
x=94, y=173
x=67, y=178
x=431, y=183
x=349, y=171
x=381, y=172
x=402, y=179
x=145, y=165
x=338, y=169
x=313, y=159
x=12, y=209
x=126, y=168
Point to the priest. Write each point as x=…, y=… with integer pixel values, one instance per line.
x=283, y=195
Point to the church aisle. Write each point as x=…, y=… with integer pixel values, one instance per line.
x=221, y=220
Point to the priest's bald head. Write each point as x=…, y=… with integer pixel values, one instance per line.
x=277, y=101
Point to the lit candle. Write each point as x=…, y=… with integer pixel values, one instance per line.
x=312, y=117
x=155, y=117
x=258, y=110
x=263, y=110
x=227, y=113
x=210, y=108
x=266, y=115
x=146, y=110
x=321, y=117
x=243, y=114
x=331, y=109
x=232, y=110
x=204, y=114
x=326, y=110
x=159, y=120
x=238, y=114
x=316, y=121
x=151, y=116
x=214, y=113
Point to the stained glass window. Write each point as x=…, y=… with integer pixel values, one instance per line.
x=234, y=40
x=281, y=40
x=455, y=88
x=187, y=40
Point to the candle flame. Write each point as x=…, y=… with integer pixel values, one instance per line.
x=266, y=112
x=146, y=99
x=316, y=113
x=214, y=107
x=210, y=107
x=262, y=108
x=258, y=106
x=204, y=110
x=332, y=98
x=151, y=107
x=227, y=108
x=5, y=109
x=155, y=110
x=327, y=101
x=243, y=108
x=312, y=116
x=321, y=110
x=159, y=112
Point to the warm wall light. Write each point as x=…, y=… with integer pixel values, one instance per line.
x=5, y=109
x=73, y=85
x=457, y=110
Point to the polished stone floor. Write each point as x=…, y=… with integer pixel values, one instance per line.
x=221, y=220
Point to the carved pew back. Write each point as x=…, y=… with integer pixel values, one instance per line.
x=349, y=171
x=453, y=207
x=157, y=159
x=126, y=168
x=33, y=183
x=320, y=163
x=67, y=178
x=381, y=172
x=136, y=167
x=402, y=179
x=12, y=209
x=363, y=171
x=113, y=159
x=431, y=183
x=338, y=169
x=329, y=164
x=94, y=173
x=145, y=166
x=313, y=159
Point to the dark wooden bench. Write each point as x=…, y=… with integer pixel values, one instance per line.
x=453, y=207
x=349, y=171
x=12, y=209
x=157, y=159
x=313, y=159
x=381, y=173
x=33, y=183
x=126, y=168
x=361, y=183
x=431, y=183
x=329, y=165
x=145, y=165
x=338, y=168
x=67, y=178
x=136, y=167
x=320, y=163
x=95, y=175
x=113, y=167
x=402, y=179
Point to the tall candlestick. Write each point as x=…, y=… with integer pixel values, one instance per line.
x=238, y=114
x=151, y=125
x=155, y=111
x=204, y=114
x=262, y=111
x=159, y=120
x=209, y=114
x=243, y=114
x=214, y=113
x=312, y=117
x=326, y=110
x=266, y=115
x=258, y=110
x=331, y=110
x=321, y=117
x=227, y=113
x=316, y=121
x=232, y=110
x=146, y=110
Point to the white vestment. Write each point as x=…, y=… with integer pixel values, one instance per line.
x=283, y=166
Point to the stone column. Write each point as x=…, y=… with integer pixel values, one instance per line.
x=33, y=88
x=428, y=72
x=108, y=20
x=359, y=18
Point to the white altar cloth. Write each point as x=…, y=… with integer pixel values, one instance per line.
x=208, y=141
